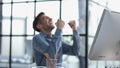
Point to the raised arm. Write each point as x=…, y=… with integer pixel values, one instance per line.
x=74, y=48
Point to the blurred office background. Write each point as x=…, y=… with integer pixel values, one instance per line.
x=16, y=17
x=16, y=32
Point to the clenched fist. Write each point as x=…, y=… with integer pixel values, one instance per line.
x=72, y=24
x=60, y=24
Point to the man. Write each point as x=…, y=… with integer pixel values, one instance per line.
x=48, y=46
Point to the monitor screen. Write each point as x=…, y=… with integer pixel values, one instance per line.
x=106, y=43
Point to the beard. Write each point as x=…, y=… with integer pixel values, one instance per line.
x=49, y=28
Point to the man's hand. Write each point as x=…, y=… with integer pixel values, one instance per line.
x=72, y=24
x=60, y=24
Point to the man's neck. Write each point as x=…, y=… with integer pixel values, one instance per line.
x=48, y=32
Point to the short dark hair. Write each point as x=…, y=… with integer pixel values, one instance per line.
x=35, y=22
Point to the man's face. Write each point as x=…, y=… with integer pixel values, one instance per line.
x=46, y=22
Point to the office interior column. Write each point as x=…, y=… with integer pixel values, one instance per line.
x=0, y=23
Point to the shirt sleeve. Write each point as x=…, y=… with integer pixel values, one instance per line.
x=58, y=39
x=74, y=48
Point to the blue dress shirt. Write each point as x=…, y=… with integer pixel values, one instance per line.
x=43, y=43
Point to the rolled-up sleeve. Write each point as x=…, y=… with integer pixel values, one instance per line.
x=74, y=48
x=76, y=42
x=58, y=39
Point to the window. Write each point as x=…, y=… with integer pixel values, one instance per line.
x=17, y=19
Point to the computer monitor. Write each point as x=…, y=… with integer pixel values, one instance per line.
x=106, y=43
